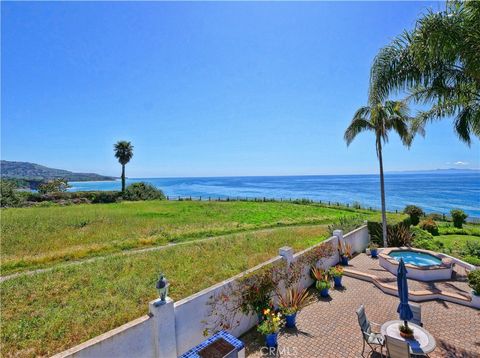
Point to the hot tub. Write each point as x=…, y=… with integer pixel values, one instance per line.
x=422, y=265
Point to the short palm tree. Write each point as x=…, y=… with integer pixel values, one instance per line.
x=380, y=119
x=123, y=152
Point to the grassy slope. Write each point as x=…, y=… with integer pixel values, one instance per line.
x=49, y=312
x=39, y=237
x=455, y=244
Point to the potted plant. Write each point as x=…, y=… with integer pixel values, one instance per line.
x=291, y=303
x=270, y=326
x=323, y=281
x=336, y=272
x=405, y=331
x=373, y=250
x=346, y=254
x=474, y=283
x=256, y=293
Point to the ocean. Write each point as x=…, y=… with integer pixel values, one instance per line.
x=436, y=192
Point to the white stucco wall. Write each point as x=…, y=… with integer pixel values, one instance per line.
x=138, y=338
x=358, y=238
x=133, y=339
x=191, y=311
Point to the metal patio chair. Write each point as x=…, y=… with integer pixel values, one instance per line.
x=397, y=348
x=370, y=337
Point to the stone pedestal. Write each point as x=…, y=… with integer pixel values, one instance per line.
x=164, y=335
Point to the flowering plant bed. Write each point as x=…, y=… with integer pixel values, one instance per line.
x=271, y=322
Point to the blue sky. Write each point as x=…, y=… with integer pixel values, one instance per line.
x=203, y=89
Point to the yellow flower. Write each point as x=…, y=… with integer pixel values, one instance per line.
x=266, y=311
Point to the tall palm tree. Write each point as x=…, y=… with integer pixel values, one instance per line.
x=380, y=118
x=438, y=64
x=123, y=152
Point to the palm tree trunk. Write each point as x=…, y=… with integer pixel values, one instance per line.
x=123, y=178
x=382, y=192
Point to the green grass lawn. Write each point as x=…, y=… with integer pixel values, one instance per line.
x=43, y=236
x=52, y=311
x=455, y=245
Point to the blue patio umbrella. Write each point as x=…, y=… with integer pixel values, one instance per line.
x=403, y=309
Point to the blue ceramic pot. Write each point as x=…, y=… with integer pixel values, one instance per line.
x=271, y=339
x=338, y=281
x=344, y=261
x=324, y=292
x=374, y=253
x=290, y=320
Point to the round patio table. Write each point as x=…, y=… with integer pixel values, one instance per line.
x=422, y=342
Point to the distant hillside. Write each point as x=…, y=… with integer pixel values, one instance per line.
x=36, y=172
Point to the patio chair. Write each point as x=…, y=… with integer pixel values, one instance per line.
x=397, y=348
x=417, y=313
x=372, y=338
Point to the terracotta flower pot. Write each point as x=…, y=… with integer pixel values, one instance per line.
x=406, y=335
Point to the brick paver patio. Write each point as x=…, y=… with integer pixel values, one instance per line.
x=457, y=285
x=329, y=328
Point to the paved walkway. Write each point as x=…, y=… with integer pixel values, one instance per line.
x=329, y=327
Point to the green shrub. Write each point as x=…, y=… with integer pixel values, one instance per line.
x=430, y=226
x=474, y=281
x=415, y=213
x=104, y=197
x=472, y=260
x=9, y=196
x=458, y=217
x=300, y=201
x=472, y=249
x=53, y=186
x=142, y=191
x=423, y=239
x=346, y=224
x=397, y=235
x=78, y=197
x=448, y=230
x=420, y=234
x=436, y=217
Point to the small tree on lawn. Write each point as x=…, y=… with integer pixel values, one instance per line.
x=458, y=217
x=415, y=213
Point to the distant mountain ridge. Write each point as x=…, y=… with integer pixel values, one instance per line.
x=32, y=171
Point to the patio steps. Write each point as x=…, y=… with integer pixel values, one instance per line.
x=414, y=295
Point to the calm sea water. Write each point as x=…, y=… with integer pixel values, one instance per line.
x=433, y=192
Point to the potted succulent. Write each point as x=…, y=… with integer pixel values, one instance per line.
x=373, y=250
x=336, y=272
x=323, y=281
x=291, y=303
x=270, y=326
x=405, y=331
x=474, y=283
